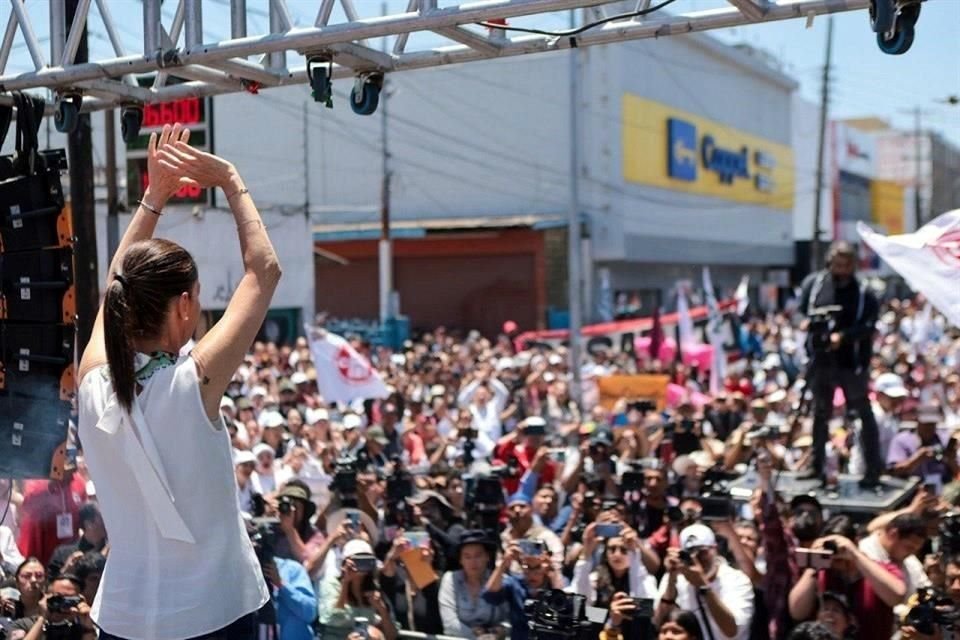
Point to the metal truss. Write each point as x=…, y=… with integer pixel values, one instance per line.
x=252, y=62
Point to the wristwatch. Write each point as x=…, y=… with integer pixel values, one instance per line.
x=703, y=591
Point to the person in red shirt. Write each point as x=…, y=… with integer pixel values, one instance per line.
x=50, y=515
x=526, y=446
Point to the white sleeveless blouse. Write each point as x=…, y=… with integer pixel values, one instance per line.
x=180, y=562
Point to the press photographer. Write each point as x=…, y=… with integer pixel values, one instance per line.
x=64, y=615
x=841, y=317
x=699, y=579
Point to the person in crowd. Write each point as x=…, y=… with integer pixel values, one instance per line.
x=266, y=478
x=537, y=573
x=463, y=611
x=924, y=453
x=57, y=623
x=415, y=605
x=30, y=579
x=295, y=508
x=841, y=352
x=700, y=580
x=148, y=441
x=897, y=543
x=248, y=493
x=50, y=514
x=93, y=537
x=88, y=571
x=353, y=593
x=522, y=527
x=835, y=613
x=872, y=588
x=293, y=598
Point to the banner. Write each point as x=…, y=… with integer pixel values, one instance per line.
x=928, y=259
x=633, y=388
x=343, y=375
x=634, y=335
x=718, y=368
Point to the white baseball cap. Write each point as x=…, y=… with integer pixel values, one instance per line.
x=356, y=547
x=696, y=536
x=316, y=415
x=227, y=402
x=890, y=385
x=352, y=421
x=299, y=378
x=271, y=420
x=242, y=456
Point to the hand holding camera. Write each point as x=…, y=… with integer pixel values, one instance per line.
x=622, y=608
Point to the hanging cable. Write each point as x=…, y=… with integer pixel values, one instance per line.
x=585, y=27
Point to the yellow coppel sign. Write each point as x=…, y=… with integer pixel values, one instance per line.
x=673, y=149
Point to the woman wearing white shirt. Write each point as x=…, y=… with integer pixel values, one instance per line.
x=619, y=570
x=150, y=420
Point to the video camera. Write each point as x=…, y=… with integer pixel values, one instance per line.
x=823, y=321
x=950, y=532
x=931, y=611
x=345, y=480
x=264, y=537
x=558, y=615
x=399, y=482
x=715, y=495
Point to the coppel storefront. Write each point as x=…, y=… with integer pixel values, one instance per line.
x=707, y=177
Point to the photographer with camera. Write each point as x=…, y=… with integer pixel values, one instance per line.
x=463, y=611
x=840, y=344
x=699, y=579
x=295, y=508
x=63, y=615
x=927, y=452
x=538, y=575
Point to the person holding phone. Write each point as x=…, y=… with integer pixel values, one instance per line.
x=150, y=418
x=416, y=608
x=620, y=570
x=354, y=593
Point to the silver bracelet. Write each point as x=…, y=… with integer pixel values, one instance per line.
x=150, y=208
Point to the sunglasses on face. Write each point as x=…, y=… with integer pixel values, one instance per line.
x=617, y=548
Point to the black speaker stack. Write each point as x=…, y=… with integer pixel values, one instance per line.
x=37, y=301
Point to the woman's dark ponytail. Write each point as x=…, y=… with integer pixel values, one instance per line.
x=119, y=342
x=151, y=274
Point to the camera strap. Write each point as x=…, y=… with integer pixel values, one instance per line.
x=706, y=614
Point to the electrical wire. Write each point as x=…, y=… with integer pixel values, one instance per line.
x=566, y=33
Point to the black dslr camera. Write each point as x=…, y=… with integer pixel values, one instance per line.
x=62, y=604
x=950, y=532
x=823, y=322
x=931, y=611
x=345, y=480
x=558, y=615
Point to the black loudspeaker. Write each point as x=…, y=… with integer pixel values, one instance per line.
x=37, y=303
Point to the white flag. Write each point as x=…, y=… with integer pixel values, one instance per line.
x=343, y=375
x=718, y=368
x=742, y=295
x=684, y=322
x=928, y=259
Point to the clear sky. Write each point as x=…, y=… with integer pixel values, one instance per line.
x=865, y=81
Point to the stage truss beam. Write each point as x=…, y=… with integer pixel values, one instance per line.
x=227, y=66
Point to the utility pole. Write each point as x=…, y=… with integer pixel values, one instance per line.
x=306, y=160
x=573, y=222
x=917, y=164
x=80, y=152
x=386, y=253
x=815, y=245
x=113, y=208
